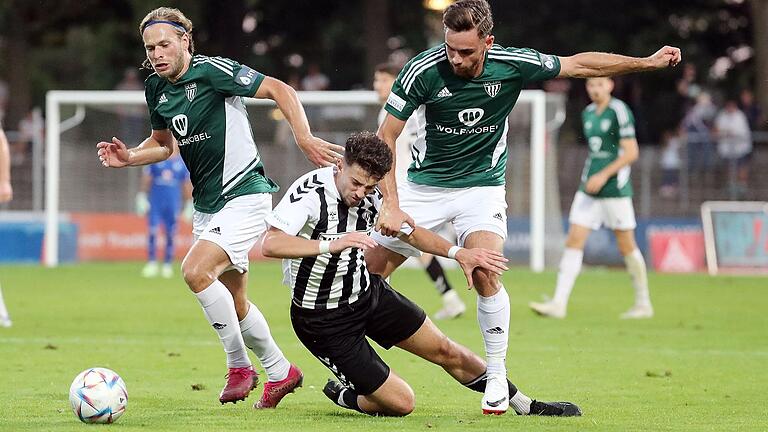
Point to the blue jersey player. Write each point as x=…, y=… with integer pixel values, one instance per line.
x=162, y=187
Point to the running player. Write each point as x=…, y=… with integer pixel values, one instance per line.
x=604, y=198
x=462, y=92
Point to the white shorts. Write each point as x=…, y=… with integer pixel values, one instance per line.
x=613, y=213
x=236, y=227
x=482, y=208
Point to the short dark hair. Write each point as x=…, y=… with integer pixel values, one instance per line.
x=369, y=152
x=388, y=68
x=467, y=15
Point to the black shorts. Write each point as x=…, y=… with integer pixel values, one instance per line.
x=338, y=336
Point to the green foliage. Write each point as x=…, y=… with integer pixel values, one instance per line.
x=697, y=366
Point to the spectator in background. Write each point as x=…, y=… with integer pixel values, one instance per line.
x=697, y=128
x=751, y=109
x=734, y=145
x=132, y=117
x=687, y=87
x=670, y=163
x=6, y=194
x=315, y=80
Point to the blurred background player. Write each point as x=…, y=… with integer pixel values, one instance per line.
x=163, y=185
x=604, y=198
x=383, y=78
x=6, y=194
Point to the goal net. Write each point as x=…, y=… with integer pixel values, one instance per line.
x=99, y=202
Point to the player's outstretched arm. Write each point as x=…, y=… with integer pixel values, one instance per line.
x=279, y=244
x=6, y=191
x=597, y=64
x=391, y=217
x=157, y=147
x=469, y=259
x=320, y=152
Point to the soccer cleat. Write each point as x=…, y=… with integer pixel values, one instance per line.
x=638, y=312
x=5, y=322
x=240, y=382
x=452, y=306
x=335, y=392
x=548, y=309
x=150, y=270
x=555, y=409
x=274, y=392
x=167, y=271
x=496, y=396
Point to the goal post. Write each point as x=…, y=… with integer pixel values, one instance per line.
x=344, y=105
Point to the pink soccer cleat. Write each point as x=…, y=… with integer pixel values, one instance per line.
x=240, y=382
x=274, y=392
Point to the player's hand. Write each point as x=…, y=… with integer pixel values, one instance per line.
x=358, y=240
x=113, y=154
x=470, y=259
x=595, y=182
x=142, y=204
x=320, y=152
x=188, y=211
x=6, y=191
x=391, y=220
x=665, y=57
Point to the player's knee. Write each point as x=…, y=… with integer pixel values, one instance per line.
x=196, y=277
x=405, y=403
x=486, y=282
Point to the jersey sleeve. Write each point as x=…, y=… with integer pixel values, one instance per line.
x=625, y=120
x=534, y=66
x=150, y=94
x=230, y=78
x=408, y=91
x=294, y=210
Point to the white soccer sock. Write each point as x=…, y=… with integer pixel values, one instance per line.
x=3, y=310
x=493, y=317
x=219, y=309
x=570, y=267
x=520, y=402
x=257, y=337
x=636, y=268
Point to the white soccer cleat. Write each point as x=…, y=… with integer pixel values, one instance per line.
x=548, y=309
x=452, y=306
x=150, y=270
x=638, y=312
x=5, y=322
x=167, y=271
x=496, y=397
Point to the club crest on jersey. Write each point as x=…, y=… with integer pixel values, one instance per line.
x=471, y=116
x=492, y=88
x=605, y=125
x=191, y=90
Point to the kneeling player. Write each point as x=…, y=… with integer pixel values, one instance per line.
x=321, y=226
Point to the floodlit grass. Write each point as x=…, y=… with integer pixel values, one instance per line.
x=699, y=365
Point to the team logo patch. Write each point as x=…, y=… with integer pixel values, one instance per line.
x=548, y=61
x=471, y=116
x=180, y=123
x=246, y=76
x=163, y=99
x=396, y=102
x=492, y=88
x=605, y=125
x=588, y=125
x=191, y=90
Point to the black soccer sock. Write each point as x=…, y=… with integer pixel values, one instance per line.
x=342, y=396
x=437, y=274
x=478, y=385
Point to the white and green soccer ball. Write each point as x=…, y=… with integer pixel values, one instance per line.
x=98, y=395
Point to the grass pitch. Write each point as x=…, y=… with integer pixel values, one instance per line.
x=699, y=365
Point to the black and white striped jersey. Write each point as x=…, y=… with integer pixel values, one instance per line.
x=313, y=209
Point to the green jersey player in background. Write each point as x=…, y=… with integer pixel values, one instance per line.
x=604, y=198
x=195, y=103
x=462, y=91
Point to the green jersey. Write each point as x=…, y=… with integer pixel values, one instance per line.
x=204, y=110
x=603, y=132
x=462, y=138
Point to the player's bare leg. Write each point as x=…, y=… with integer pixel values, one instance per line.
x=570, y=267
x=201, y=268
x=493, y=317
x=283, y=377
x=635, y=263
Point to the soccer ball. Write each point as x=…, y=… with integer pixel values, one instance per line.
x=98, y=395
